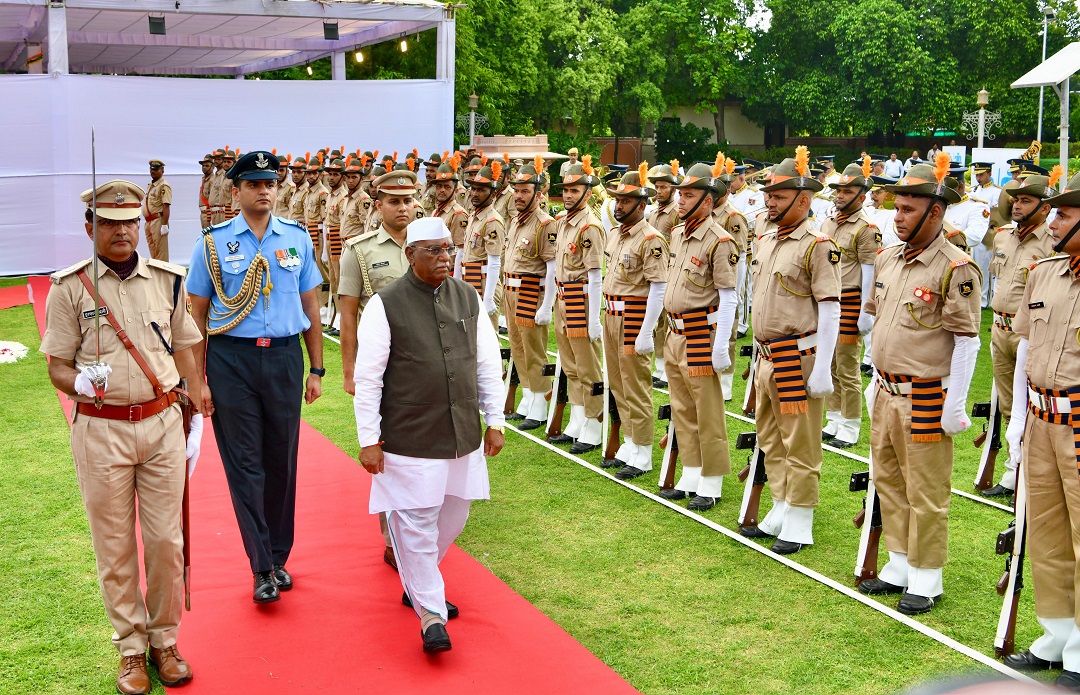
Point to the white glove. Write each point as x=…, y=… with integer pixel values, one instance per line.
x=494, y=264
x=866, y=321
x=1014, y=434
x=543, y=314
x=871, y=393
x=595, y=281
x=644, y=344
x=457, y=263
x=87, y=373
x=721, y=355
x=194, y=442
x=164, y=229
x=820, y=383
x=325, y=253
x=954, y=417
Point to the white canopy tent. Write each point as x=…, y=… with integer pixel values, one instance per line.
x=1055, y=72
x=138, y=116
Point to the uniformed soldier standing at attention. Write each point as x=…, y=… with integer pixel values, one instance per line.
x=298, y=172
x=734, y=222
x=637, y=258
x=285, y=189
x=427, y=195
x=129, y=442
x=358, y=203
x=219, y=199
x=156, y=208
x=1046, y=401
x=375, y=218
x=700, y=301
x=443, y=186
x=369, y=263
x=528, y=293
x=1016, y=248
x=579, y=259
x=479, y=235
x=315, y=219
x=335, y=207
x=504, y=195
x=207, y=164
x=858, y=239
x=796, y=320
x=926, y=339
x=253, y=283
x=666, y=215
x=229, y=207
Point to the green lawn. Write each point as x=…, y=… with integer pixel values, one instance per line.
x=671, y=605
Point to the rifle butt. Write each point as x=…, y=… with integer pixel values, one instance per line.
x=753, y=508
x=1008, y=645
x=511, y=397
x=1003, y=583
x=555, y=427
x=744, y=473
x=612, y=446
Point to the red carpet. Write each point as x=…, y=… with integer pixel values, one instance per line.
x=14, y=296
x=343, y=628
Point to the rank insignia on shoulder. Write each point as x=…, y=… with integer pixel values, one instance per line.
x=367, y=204
x=1032, y=305
x=966, y=288
x=464, y=224
x=586, y=243
x=957, y=264
x=493, y=234
x=733, y=258
x=658, y=252
x=551, y=237
x=419, y=214
x=877, y=237
x=834, y=256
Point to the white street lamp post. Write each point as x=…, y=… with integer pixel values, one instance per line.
x=1048, y=16
x=474, y=101
x=983, y=100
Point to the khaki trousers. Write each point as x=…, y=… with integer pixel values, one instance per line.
x=159, y=245
x=218, y=217
x=121, y=465
x=913, y=481
x=630, y=380
x=660, y=334
x=847, y=395
x=791, y=442
x=528, y=346
x=581, y=361
x=697, y=409
x=1004, y=344
x=1053, y=512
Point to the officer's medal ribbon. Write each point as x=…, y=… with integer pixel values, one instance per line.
x=924, y=294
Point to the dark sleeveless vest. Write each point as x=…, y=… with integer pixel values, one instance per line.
x=430, y=407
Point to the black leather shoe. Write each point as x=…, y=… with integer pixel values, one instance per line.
x=451, y=610
x=673, y=495
x=612, y=463
x=841, y=444
x=530, y=424
x=826, y=437
x=628, y=473
x=701, y=504
x=1069, y=680
x=514, y=417
x=265, y=589
x=786, y=547
x=561, y=439
x=866, y=369
x=878, y=587
x=996, y=491
x=910, y=604
x=282, y=578
x=581, y=447
x=330, y=330
x=754, y=532
x=502, y=331
x=435, y=639
x=1026, y=661
x=659, y=383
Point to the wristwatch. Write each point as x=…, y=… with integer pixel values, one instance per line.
x=498, y=428
x=317, y=372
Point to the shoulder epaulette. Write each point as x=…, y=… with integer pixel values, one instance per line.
x=651, y=232
x=822, y=237
x=979, y=200
x=294, y=223
x=212, y=227
x=1060, y=257
x=70, y=270
x=723, y=234
x=361, y=237
x=166, y=266
x=959, y=262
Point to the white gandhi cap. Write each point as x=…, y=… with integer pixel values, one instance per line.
x=426, y=229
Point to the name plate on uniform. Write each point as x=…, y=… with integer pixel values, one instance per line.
x=102, y=311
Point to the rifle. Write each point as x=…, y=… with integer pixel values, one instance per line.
x=614, y=427
x=511, y=381
x=755, y=478
x=557, y=406
x=187, y=409
x=867, y=559
x=989, y=439
x=671, y=450
x=1012, y=542
x=749, y=405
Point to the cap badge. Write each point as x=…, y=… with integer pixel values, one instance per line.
x=261, y=161
x=401, y=181
x=622, y=186
x=119, y=198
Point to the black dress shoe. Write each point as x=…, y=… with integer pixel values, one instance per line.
x=841, y=444
x=701, y=504
x=866, y=369
x=826, y=437
x=1026, y=661
x=265, y=589
x=530, y=424
x=754, y=532
x=502, y=331
x=910, y=604
x=878, y=587
x=612, y=463
x=659, y=383
x=996, y=491
x=1069, y=680
x=330, y=330
x=673, y=494
x=786, y=547
x=435, y=639
x=389, y=558
x=515, y=416
x=628, y=473
x=561, y=439
x=451, y=610
x=581, y=447
x=282, y=578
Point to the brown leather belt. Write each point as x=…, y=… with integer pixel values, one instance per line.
x=131, y=413
x=151, y=218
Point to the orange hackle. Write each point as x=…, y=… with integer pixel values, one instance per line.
x=674, y=164
x=1055, y=175
x=729, y=166
x=718, y=165
x=375, y=155
x=506, y=157
x=415, y=153
x=643, y=173
x=586, y=165
x=866, y=166
x=802, y=160
x=446, y=155
x=496, y=169
x=483, y=161
x=538, y=163
x=942, y=163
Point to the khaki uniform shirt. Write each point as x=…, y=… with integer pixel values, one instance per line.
x=374, y=220
x=579, y=243
x=220, y=194
x=315, y=204
x=734, y=222
x=428, y=200
x=296, y=205
x=913, y=336
x=698, y=266
x=635, y=257
x=204, y=193
x=385, y=262
x=504, y=203
x=285, y=192
x=358, y=205
x=858, y=240
x=529, y=244
x=790, y=278
x=145, y=296
x=158, y=195
x=485, y=235
x=1049, y=317
x=335, y=206
x=1012, y=262
x=664, y=218
x=456, y=220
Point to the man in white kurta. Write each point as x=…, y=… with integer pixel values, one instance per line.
x=415, y=395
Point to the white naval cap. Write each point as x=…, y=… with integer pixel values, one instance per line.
x=426, y=229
